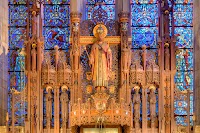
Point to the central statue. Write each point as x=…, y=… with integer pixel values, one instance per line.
x=100, y=58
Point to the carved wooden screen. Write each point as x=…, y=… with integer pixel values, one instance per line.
x=144, y=26
x=56, y=31
x=144, y=15
x=17, y=105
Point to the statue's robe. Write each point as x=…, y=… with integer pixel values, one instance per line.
x=101, y=62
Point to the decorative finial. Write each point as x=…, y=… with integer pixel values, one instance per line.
x=144, y=47
x=56, y=47
x=34, y=45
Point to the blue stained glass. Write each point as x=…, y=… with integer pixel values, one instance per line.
x=20, y=113
x=16, y=80
x=53, y=114
x=180, y=104
x=157, y=104
x=44, y=108
x=110, y=9
x=191, y=121
x=183, y=15
x=184, y=80
x=191, y=104
x=16, y=37
x=17, y=1
x=10, y=108
x=105, y=1
x=56, y=23
x=144, y=15
x=56, y=15
x=143, y=1
x=180, y=120
x=184, y=37
x=16, y=61
x=183, y=1
x=56, y=1
x=184, y=59
x=180, y=107
x=183, y=21
x=17, y=15
x=144, y=36
x=180, y=111
x=56, y=36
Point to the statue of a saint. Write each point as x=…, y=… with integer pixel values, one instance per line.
x=152, y=100
x=100, y=58
x=136, y=102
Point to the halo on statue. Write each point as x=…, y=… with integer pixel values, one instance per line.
x=97, y=29
x=137, y=87
x=152, y=87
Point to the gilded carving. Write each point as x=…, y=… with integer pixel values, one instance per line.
x=152, y=101
x=93, y=83
x=100, y=58
x=197, y=129
x=64, y=106
x=136, y=101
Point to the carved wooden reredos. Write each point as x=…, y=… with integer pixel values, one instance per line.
x=131, y=70
x=125, y=92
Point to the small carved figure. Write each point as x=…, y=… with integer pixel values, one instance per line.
x=33, y=54
x=49, y=105
x=64, y=102
x=152, y=101
x=124, y=26
x=75, y=27
x=126, y=59
x=136, y=102
x=100, y=58
x=34, y=22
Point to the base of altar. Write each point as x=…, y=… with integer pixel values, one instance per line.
x=98, y=130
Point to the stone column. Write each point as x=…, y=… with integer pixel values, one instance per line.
x=3, y=60
x=196, y=24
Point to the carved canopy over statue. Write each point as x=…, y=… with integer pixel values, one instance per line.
x=100, y=58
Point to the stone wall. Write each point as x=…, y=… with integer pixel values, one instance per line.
x=3, y=59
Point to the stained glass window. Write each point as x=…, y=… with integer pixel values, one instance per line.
x=108, y=6
x=183, y=16
x=56, y=24
x=18, y=16
x=144, y=22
